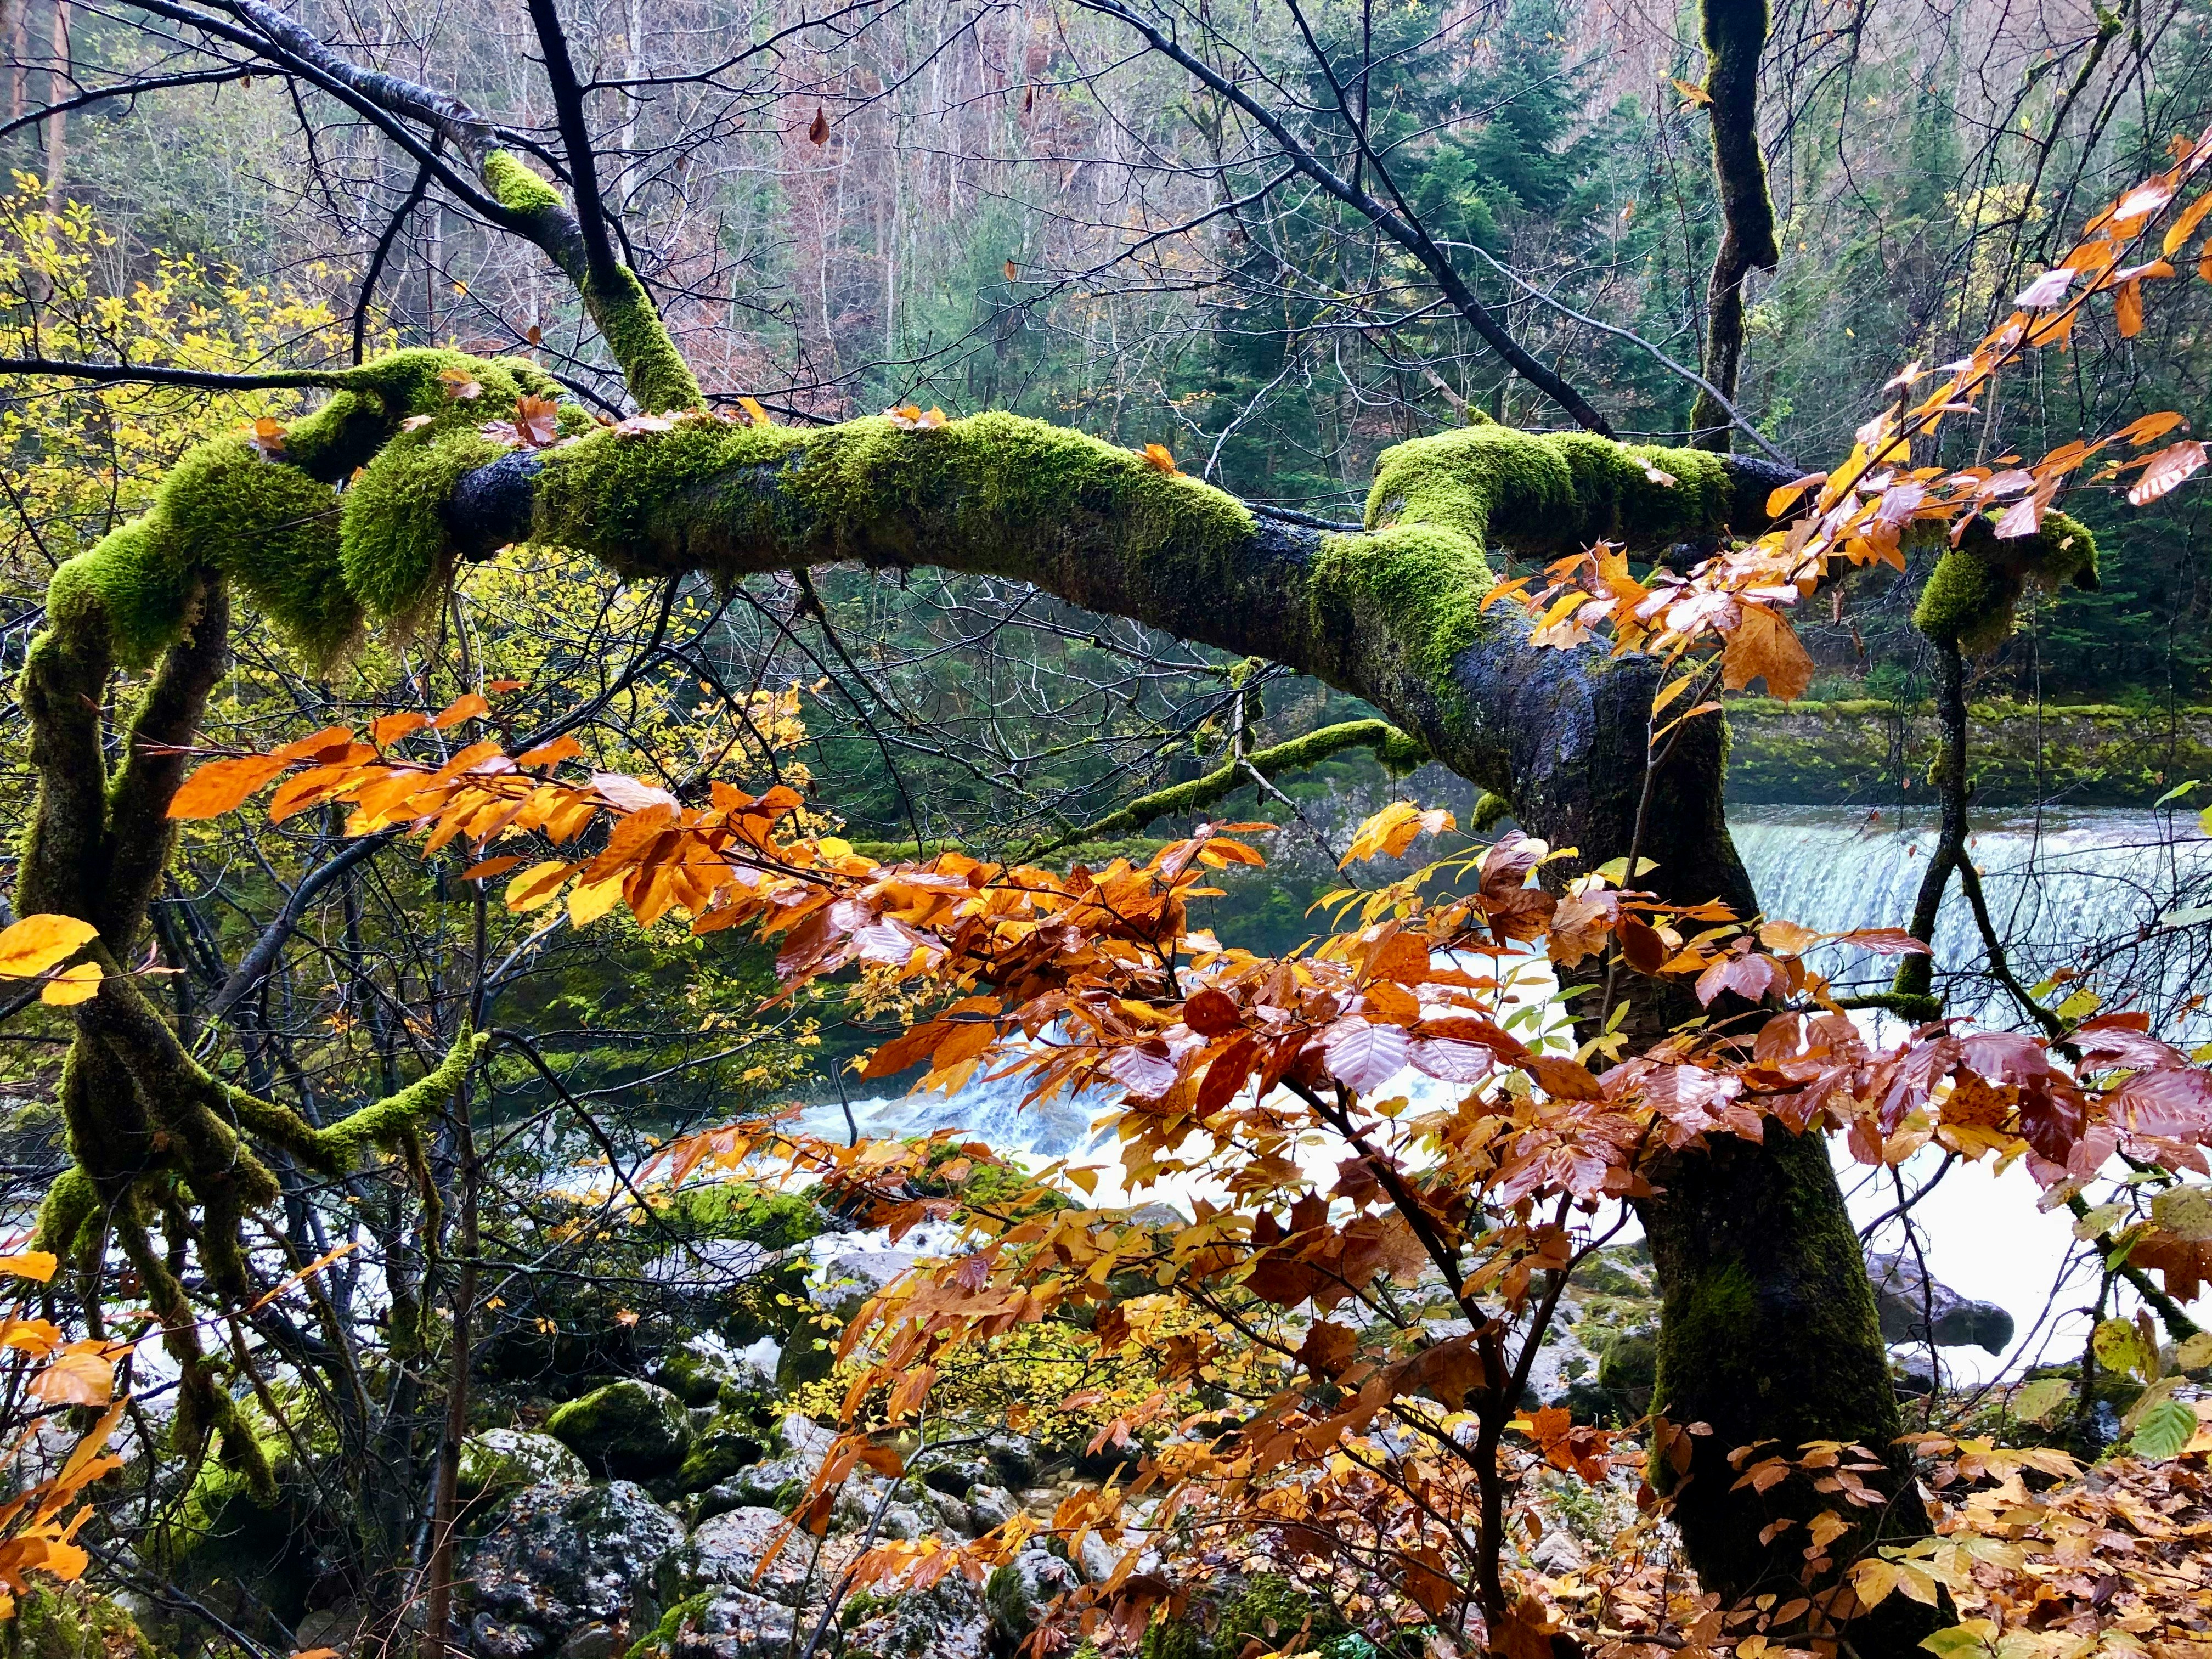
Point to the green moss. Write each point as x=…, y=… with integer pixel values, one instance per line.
x=1172, y=1638
x=338, y=1148
x=1972, y=596
x=629, y=1429
x=740, y=1210
x=659, y=377
x=1272, y=1609
x=1013, y=496
x=659, y=1643
x=71, y=1622
x=515, y=187
x=395, y=548
x=1391, y=746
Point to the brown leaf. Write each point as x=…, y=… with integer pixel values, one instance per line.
x=1764, y=646
x=537, y=421
x=818, y=129
x=2166, y=471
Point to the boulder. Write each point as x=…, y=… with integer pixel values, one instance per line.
x=707, y=1370
x=728, y=1445
x=564, y=1556
x=722, y=1623
x=628, y=1430
x=506, y=1460
x=945, y=1621
x=1905, y=1297
x=727, y=1551
x=990, y=1506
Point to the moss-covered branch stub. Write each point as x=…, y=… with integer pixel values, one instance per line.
x=1972, y=597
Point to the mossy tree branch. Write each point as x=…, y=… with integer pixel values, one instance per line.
x=1391, y=746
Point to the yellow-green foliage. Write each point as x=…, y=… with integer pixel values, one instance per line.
x=1971, y=599
x=1022, y=1380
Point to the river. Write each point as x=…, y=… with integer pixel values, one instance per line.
x=2124, y=894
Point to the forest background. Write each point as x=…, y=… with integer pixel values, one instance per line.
x=1009, y=207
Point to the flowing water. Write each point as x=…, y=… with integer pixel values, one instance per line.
x=2120, y=896
x=2125, y=896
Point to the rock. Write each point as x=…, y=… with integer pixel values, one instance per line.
x=507, y=1460
x=563, y=1556
x=945, y=1621
x=727, y=1552
x=629, y=1429
x=952, y=1515
x=991, y=1506
x=338, y=1627
x=722, y=1624
x=1097, y=1558
x=1904, y=1298
x=707, y=1370
x=1044, y=1575
x=592, y=1641
x=1013, y=1459
x=1557, y=1553
x=728, y=1447
x=773, y=1483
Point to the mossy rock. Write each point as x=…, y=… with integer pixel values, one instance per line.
x=629, y=1429
x=508, y=1460
x=727, y=1447
x=1273, y=1609
x=71, y=1622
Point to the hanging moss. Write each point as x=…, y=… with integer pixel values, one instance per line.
x=1971, y=599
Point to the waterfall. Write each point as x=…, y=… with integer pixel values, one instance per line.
x=2119, y=896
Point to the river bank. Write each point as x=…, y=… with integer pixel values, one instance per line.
x=1870, y=752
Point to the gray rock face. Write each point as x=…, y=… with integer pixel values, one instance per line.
x=509, y=1459
x=732, y=1624
x=629, y=1429
x=945, y=1621
x=565, y=1556
x=728, y=1550
x=1904, y=1298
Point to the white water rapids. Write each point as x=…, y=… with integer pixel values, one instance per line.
x=2125, y=895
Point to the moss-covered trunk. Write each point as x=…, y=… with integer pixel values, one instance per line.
x=1769, y=1339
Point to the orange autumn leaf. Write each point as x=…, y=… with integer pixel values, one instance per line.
x=220, y=786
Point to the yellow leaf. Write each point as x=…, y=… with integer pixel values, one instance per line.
x=587, y=904
x=1694, y=93
x=84, y=1374
x=37, y=942
x=538, y=886
x=1159, y=457
x=72, y=986
x=37, y=1265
